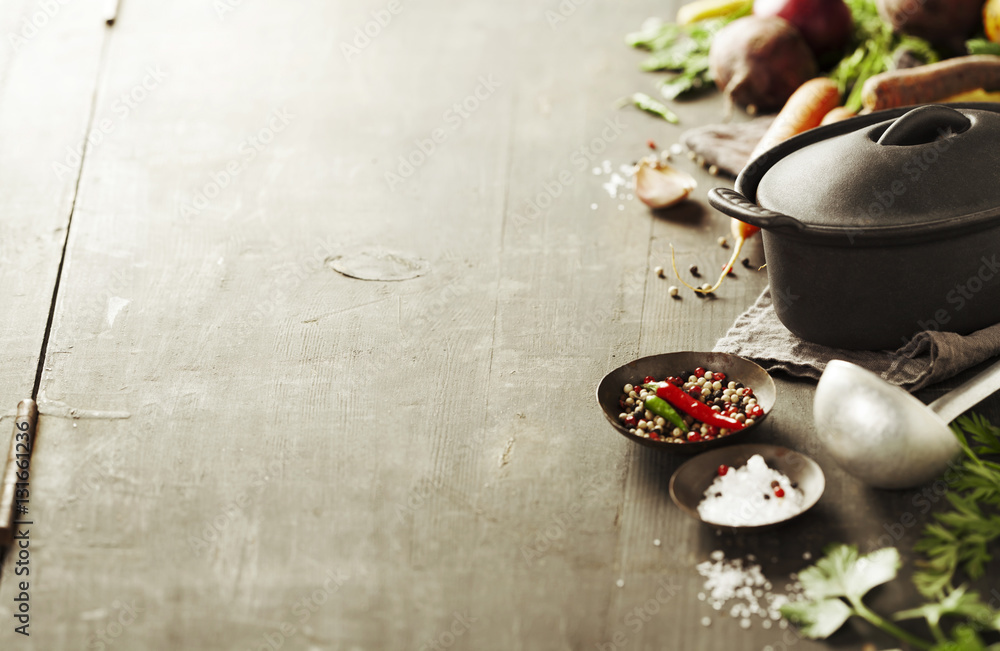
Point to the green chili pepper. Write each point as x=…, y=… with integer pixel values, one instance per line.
x=661, y=407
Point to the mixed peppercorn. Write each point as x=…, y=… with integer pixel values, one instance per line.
x=690, y=407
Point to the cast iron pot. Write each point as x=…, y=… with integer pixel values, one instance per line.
x=880, y=226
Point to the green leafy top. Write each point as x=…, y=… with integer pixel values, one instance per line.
x=682, y=49
x=964, y=537
x=876, y=45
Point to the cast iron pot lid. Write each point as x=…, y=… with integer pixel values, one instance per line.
x=911, y=173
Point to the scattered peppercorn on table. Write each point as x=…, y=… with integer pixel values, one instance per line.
x=316, y=295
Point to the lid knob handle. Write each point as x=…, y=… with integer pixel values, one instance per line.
x=925, y=124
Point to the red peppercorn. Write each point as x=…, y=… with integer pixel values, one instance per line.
x=723, y=469
x=719, y=376
x=653, y=435
x=779, y=492
x=713, y=430
x=651, y=144
x=695, y=391
x=676, y=381
x=699, y=372
x=630, y=420
x=694, y=437
x=756, y=411
x=648, y=379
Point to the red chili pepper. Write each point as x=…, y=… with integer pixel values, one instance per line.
x=696, y=408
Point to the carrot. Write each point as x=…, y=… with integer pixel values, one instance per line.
x=803, y=111
x=837, y=114
x=931, y=82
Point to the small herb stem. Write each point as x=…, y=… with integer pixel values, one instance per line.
x=937, y=632
x=872, y=617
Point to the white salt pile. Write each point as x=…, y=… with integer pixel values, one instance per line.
x=750, y=496
x=744, y=590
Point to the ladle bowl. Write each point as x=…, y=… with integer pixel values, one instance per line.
x=884, y=436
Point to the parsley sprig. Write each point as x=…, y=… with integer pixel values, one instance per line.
x=836, y=585
x=961, y=540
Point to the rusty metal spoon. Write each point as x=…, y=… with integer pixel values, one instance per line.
x=883, y=435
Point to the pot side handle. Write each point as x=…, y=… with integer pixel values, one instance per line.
x=734, y=204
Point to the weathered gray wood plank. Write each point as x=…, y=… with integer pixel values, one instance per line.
x=49, y=62
x=244, y=449
x=48, y=68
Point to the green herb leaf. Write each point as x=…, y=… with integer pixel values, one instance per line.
x=842, y=573
x=680, y=49
x=876, y=46
x=958, y=602
x=982, y=46
x=650, y=105
x=964, y=638
x=817, y=619
x=964, y=538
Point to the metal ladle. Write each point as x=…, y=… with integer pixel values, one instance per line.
x=883, y=435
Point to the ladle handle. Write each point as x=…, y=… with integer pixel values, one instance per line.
x=968, y=394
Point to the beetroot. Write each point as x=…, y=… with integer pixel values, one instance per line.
x=825, y=24
x=759, y=61
x=942, y=22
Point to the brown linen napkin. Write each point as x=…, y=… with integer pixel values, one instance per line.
x=727, y=146
x=928, y=358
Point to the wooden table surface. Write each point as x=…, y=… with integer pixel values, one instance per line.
x=240, y=448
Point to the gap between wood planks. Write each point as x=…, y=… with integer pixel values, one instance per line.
x=102, y=64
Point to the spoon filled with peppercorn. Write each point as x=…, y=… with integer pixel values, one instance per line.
x=883, y=435
x=686, y=402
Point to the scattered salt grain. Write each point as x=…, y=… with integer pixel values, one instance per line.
x=593, y=206
x=656, y=542
x=614, y=184
x=706, y=621
x=741, y=589
x=620, y=583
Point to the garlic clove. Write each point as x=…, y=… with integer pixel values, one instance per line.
x=659, y=185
